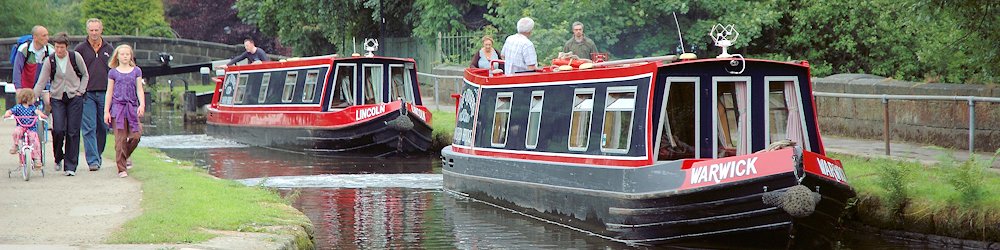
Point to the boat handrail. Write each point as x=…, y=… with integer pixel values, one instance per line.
x=438, y=76
x=670, y=58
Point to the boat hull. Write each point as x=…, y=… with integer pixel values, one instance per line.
x=369, y=138
x=647, y=205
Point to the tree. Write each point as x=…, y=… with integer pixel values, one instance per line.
x=56, y=15
x=216, y=21
x=314, y=27
x=129, y=17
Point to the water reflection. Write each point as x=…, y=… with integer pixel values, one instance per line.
x=351, y=212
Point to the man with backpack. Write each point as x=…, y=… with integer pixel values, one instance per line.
x=96, y=53
x=30, y=56
x=68, y=74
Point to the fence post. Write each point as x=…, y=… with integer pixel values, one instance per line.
x=885, y=128
x=437, y=102
x=439, y=59
x=972, y=126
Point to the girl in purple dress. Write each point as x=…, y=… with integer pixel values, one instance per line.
x=124, y=103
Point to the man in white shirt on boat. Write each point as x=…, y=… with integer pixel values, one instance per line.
x=519, y=52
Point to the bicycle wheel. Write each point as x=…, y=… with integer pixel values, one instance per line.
x=26, y=165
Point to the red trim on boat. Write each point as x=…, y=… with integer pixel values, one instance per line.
x=481, y=77
x=551, y=158
x=737, y=168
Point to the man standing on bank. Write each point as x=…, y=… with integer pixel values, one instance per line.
x=579, y=44
x=96, y=52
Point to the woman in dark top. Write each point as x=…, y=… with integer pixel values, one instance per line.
x=481, y=59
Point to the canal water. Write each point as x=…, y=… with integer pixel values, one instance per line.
x=364, y=203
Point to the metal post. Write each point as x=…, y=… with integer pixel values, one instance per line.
x=439, y=58
x=972, y=126
x=885, y=128
x=437, y=101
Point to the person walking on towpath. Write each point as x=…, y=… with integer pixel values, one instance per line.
x=68, y=75
x=30, y=56
x=125, y=104
x=96, y=52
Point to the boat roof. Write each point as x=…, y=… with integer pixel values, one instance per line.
x=311, y=61
x=481, y=76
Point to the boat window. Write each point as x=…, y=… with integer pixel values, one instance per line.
x=677, y=137
x=534, y=118
x=309, y=90
x=731, y=119
x=343, y=93
x=241, y=88
x=579, y=124
x=401, y=86
x=784, y=119
x=228, y=88
x=265, y=82
x=372, y=91
x=501, y=118
x=286, y=92
x=618, y=110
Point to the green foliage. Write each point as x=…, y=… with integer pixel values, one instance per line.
x=56, y=15
x=314, y=27
x=436, y=16
x=128, y=17
x=895, y=180
x=968, y=177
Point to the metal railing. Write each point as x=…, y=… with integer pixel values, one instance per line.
x=457, y=48
x=437, y=83
x=971, y=100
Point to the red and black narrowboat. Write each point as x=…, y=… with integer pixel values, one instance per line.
x=324, y=106
x=653, y=151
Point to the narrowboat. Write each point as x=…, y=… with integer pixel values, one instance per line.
x=323, y=106
x=716, y=152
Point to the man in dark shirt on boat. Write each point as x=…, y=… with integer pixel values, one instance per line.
x=579, y=44
x=253, y=54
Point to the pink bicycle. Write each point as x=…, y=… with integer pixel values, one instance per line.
x=24, y=148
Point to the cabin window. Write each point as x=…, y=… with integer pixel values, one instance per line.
x=241, y=89
x=343, y=93
x=784, y=119
x=731, y=120
x=579, y=124
x=372, y=90
x=618, y=110
x=534, y=119
x=501, y=119
x=401, y=86
x=227, y=90
x=677, y=137
x=309, y=90
x=286, y=92
x=265, y=82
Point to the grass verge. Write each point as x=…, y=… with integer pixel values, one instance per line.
x=443, y=123
x=179, y=201
x=931, y=199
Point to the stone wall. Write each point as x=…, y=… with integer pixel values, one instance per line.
x=940, y=123
x=184, y=51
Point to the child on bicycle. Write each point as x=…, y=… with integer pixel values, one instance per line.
x=23, y=110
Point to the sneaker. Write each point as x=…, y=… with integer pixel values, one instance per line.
x=70, y=173
x=95, y=167
x=122, y=174
x=58, y=166
x=13, y=150
x=128, y=164
x=38, y=164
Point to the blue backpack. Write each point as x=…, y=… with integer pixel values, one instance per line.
x=13, y=51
